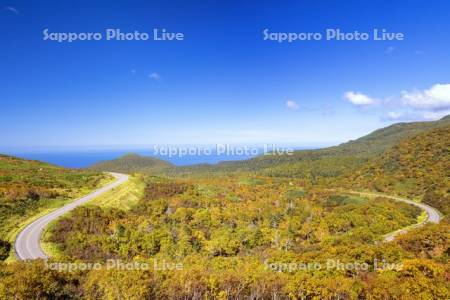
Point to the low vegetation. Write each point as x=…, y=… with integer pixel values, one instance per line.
x=266, y=228
x=124, y=196
x=242, y=238
x=28, y=188
x=311, y=165
x=226, y=219
x=133, y=163
x=417, y=167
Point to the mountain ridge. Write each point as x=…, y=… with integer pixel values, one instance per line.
x=325, y=162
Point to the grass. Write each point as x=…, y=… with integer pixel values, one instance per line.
x=47, y=206
x=251, y=181
x=124, y=196
x=49, y=248
x=18, y=225
x=420, y=221
x=421, y=218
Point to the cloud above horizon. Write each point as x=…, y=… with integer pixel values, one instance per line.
x=429, y=104
x=291, y=104
x=359, y=99
x=154, y=76
x=414, y=115
x=11, y=9
x=435, y=98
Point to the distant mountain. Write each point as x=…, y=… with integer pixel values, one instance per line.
x=326, y=162
x=133, y=163
x=384, y=138
x=312, y=164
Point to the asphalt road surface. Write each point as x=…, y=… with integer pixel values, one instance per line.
x=27, y=245
x=433, y=215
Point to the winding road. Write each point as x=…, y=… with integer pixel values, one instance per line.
x=433, y=215
x=27, y=245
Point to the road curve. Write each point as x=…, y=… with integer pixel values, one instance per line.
x=433, y=215
x=27, y=244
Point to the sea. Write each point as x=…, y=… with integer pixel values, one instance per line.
x=178, y=156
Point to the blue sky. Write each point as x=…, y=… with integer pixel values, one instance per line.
x=223, y=83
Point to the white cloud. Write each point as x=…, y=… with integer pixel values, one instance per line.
x=435, y=115
x=435, y=98
x=359, y=99
x=389, y=50
x=291, y=104
x=154, y=76
x=11, y=9
x=395, y=115
x=409, y=105
x=411, y=115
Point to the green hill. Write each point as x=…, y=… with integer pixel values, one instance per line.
x=133, y=163
x=334, y=161
x=418, y=167
x=310, y=164
x=381, y=139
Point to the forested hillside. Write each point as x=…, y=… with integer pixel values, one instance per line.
x=332, y=161
x=242, y=234
x=417, y=167
x=308, y=164
x=28, y=187
x=133, y=163
x=242, y=237
x=225, y=217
